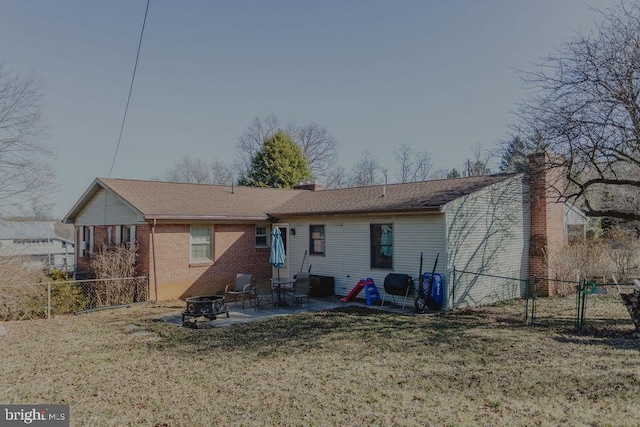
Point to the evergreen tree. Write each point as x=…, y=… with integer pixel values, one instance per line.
x=453, y=173
x=278, y=164
x=514, y=158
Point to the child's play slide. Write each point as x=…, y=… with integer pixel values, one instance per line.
x=355, y=291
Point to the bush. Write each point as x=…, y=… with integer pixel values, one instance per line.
x=618, y=253
x=58, y=275
x=22, y=295
x=624, y=251
x=116, y=264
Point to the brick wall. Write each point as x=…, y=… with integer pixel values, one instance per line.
x=82, y=262
x=234, y=252
x=547, y=220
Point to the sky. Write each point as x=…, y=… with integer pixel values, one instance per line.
x=440, y=76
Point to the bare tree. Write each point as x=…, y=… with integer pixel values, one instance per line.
x=25, y=174
x=195, y=171
x=478, y=166
x=365, y=172
x=317, y=144
x=336, y=177
x=412, y=165
x=221, y=174
x=250, y=142
x=586, y=105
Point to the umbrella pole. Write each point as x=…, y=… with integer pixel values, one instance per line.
x=280, y=302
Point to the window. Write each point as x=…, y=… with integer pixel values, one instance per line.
x=201, y=244
x=316, y=239
x=124, y=235
x=381, y=246
x=261, y=237
x=86, y=249
x=128, y=234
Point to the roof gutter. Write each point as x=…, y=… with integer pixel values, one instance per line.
x=430, y=209
x=161, y=217
x=153, y=254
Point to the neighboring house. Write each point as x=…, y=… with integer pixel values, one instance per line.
x=193, y=239
x=37, y=243
x=575, y=221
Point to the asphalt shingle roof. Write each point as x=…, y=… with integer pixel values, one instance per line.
x=174, y=200
x=168, y=200
x=416, y=196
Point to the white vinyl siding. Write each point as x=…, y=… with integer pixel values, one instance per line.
x=104, y=208
x=488, y=233
x=201, y=244
x=347, y=255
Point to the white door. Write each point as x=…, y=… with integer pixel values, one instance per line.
x=285, y=271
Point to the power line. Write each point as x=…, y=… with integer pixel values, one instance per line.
x=133, y=77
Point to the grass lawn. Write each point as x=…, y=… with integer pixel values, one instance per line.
x=347, y=367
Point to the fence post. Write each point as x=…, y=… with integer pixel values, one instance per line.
x=533, y=304
x=578, y=292
x=148, y=297
x=526, y=301
x=48, y=299
x=453, y=289
x=584, y=303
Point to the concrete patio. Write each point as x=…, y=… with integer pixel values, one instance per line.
x=251, y=314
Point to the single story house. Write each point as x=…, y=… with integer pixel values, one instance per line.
x=37, y=243
x=192, y=238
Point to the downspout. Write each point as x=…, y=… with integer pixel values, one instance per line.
x=153, y=255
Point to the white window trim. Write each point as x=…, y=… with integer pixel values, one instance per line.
x=211, y=245
x=86, y=248
x=266, y=236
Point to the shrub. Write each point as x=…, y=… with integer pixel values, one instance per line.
x=623, y=249
x=22, y=295
x=116, y=264
x=618, y=253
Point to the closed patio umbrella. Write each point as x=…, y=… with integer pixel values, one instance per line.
x=277, y=257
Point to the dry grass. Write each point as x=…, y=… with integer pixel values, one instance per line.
x=348, y=367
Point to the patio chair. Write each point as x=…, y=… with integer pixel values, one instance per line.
x=241, y=288
x=263, y=290
x=301, y=288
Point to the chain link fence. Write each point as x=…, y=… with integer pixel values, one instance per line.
x=51, y=298
x=558, y=311
x=473, y=288
x=580, y=304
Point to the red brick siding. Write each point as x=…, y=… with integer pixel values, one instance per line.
x=142, y=239
x=234, y=252
x=547, y=222
x=82, y=262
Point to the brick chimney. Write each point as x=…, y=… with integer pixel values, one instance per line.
x=547, y=219
x=312, y=186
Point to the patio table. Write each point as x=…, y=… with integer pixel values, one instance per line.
x=279, y=284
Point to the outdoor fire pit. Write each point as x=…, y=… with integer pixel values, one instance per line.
x=208, y=306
